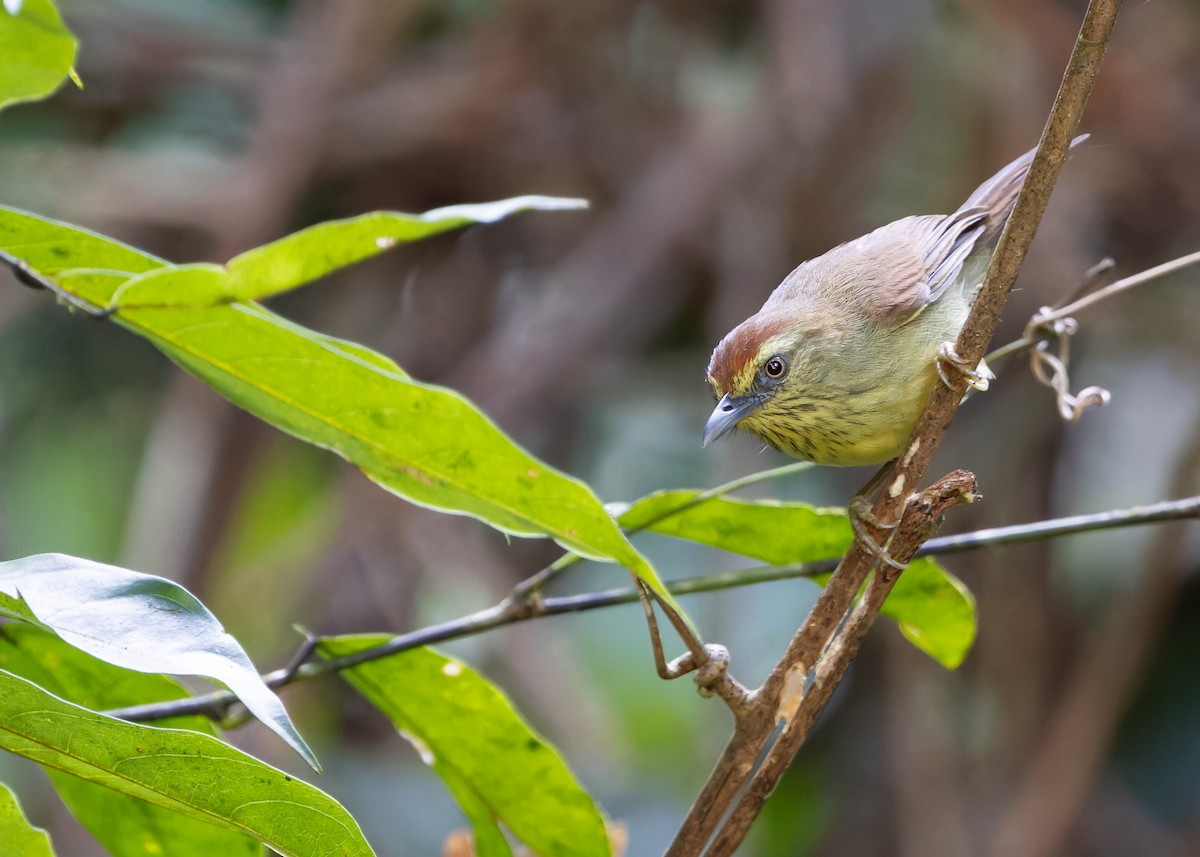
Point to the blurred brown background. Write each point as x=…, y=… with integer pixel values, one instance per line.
x=720, y=143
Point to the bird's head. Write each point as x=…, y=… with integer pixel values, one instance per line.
x=755, y=372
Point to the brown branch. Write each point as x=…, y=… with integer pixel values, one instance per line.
x=918, y=524
x=714, y=817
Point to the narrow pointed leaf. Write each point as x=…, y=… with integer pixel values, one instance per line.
x=126, y=826
x=140, y=622
x=933, y=608
x=36, y=48
x=312, y=253
x=427, y=444
x=468, y=732
x=183, y=771
x=20, y=838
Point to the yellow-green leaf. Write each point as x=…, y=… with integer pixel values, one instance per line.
x=20, y=838
x=36, y=51
x=126, y=826
x=933, y=608
x=165, y=766
x=491, y=759
x=425, y=443
x=312, y=253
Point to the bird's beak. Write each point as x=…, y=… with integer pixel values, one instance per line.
x=729, y=412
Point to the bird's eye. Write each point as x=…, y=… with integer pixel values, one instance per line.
x=775, y=368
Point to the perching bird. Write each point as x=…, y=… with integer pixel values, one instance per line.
x=839, y=363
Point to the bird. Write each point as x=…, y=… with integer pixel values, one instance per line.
x=839, y=363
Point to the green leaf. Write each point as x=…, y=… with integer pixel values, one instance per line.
x=935, y=611
x=140, y=622
x=175, y=769
x=51, y=247
x=20, y=838
x=776, y=533
x=37, y=50
x=427, y=444
x=488, y=838
x=933, y=608
x=129, y=827
x=471, y=735
x=312, y=253
x=56, y=666
x=126, y=826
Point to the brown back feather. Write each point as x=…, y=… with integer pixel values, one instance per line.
x=891, y=274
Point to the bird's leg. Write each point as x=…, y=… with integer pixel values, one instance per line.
x=862, y=516
x=947, y=358
x=698, y=654
x=864, y=498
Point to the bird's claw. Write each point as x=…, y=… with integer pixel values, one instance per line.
x=862, y=513
x=978, y=378
x=861, y=517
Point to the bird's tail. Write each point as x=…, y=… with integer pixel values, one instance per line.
x=998, y=194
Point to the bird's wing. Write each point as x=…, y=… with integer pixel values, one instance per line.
x=893, y=273
x=948, y=244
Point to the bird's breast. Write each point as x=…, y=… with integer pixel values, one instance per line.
x=857, y=403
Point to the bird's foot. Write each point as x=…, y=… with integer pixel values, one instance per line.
x=862, y=517
x=947, y=358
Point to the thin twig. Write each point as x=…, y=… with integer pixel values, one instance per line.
x=527, y=593
x=1119, y=286
x=502, y=614
x=1047, y=317
x=1092, y=279
x=1056, y=325
x=1168, y=510
x=714, y=681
